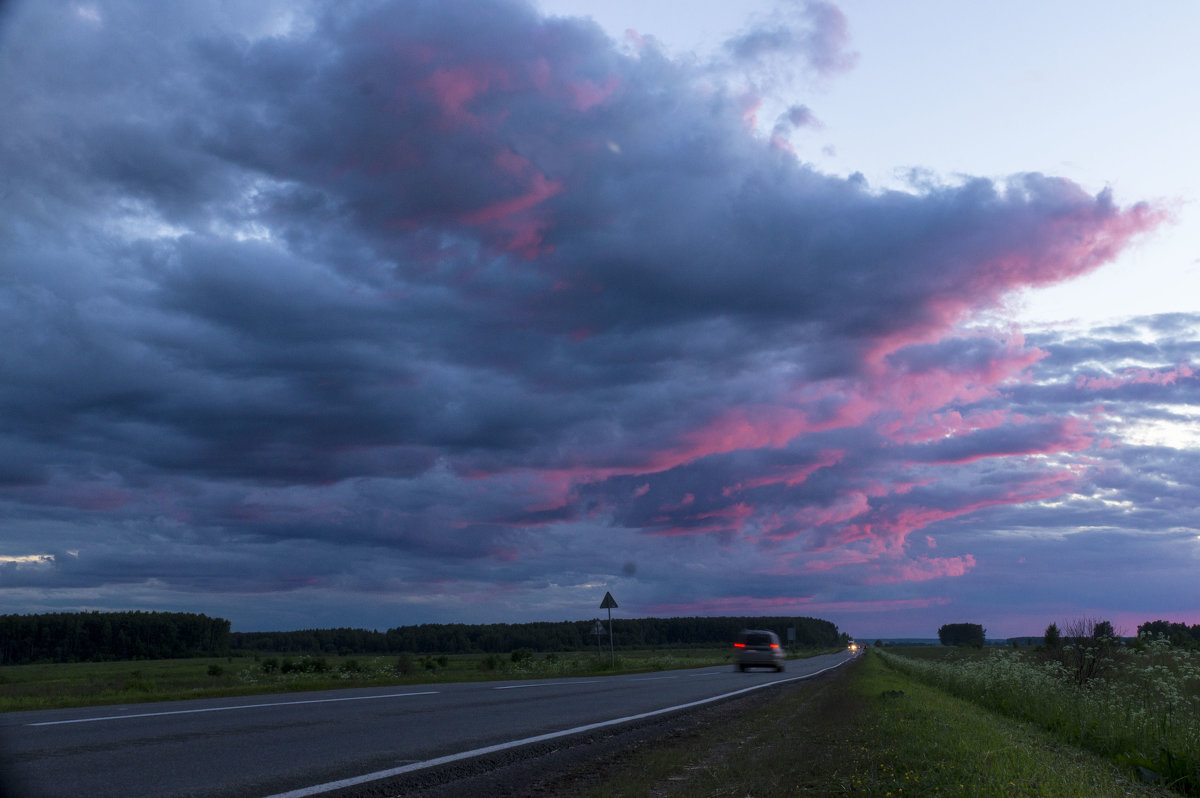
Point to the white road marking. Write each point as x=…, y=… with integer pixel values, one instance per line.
x=545, y=684
x=354, y=781
x=227, y=709
x=652, y=678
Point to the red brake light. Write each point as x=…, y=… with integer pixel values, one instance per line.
x=774, y=645
x=739, y=645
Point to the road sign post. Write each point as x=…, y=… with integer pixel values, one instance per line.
x=598, y=632
x=608, y=604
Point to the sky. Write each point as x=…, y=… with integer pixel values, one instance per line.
x=369, y=314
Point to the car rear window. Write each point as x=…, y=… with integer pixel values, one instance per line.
x=756, y=640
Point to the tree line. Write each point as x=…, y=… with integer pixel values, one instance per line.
x=500, y=638
x=1180, y=634
x=105, y=636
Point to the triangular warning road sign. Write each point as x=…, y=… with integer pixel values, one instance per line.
x=609, y=602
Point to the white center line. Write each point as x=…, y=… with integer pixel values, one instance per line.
x=227, y=709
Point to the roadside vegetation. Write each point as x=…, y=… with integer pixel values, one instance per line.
x=922, y=740
x=1138, y=705
x=872, y=729
x=59, y=685
x=1082, y=716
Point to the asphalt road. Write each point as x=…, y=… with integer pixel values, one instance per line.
x=301, y=742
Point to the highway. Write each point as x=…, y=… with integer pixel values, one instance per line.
x=301, y=744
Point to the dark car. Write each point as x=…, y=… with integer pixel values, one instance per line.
x=758, y=648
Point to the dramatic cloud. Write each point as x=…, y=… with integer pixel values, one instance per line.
x=385, y=313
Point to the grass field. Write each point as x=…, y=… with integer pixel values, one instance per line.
x=928, y=721
x=919, y=740
x=871, y=730
x=51, y=686
x=1141, y=710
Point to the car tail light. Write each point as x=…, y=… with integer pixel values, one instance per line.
x=774, y=645
x=739, y=645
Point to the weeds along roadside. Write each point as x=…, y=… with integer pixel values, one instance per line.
x=868, y=729
x=62, y=685
x=1143, y=714
x=876, y=730
x=918, y=739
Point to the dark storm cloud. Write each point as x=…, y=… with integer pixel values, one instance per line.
x=456, y=304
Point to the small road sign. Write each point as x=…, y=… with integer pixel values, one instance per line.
x=610, y=604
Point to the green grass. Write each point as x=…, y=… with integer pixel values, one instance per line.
x=1142, y=713
x=53, y=686
x=868, y=730
x=922, y=741
x=940, y=653
x=876, y=728
x=56, y=686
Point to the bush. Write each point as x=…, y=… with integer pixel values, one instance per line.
x=1090, y=649
x=215, y=670
x=404, y=664
x=490, y=663
x=304, y=665
x=520, y=655
x=269, y=665
x=962, y=634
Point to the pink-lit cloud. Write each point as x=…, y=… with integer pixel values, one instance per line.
x=1138, y=376
x=926, y=568
x=749, y=605
x=452, y=307
x=453, y=88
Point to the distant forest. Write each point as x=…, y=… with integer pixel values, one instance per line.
x=501, y=638
x=1180, y=634
x=102, y=636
